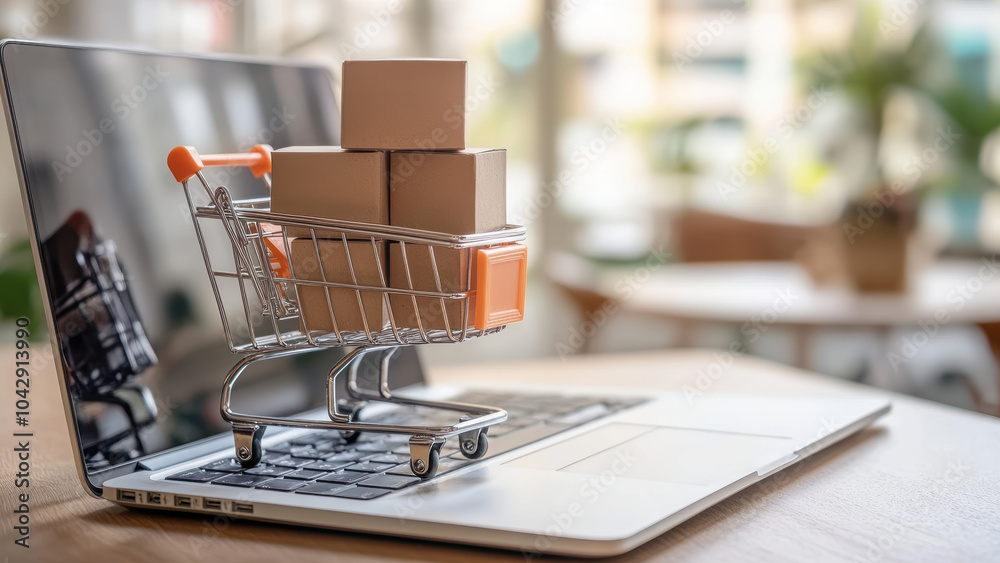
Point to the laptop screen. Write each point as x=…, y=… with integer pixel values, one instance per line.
x=140, y=337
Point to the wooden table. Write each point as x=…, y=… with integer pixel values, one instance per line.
x=756, y=296
x=923, y=484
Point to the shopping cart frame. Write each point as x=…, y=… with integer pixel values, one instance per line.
x=246, y=224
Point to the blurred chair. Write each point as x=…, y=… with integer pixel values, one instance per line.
x=696, y=236
x=702, y=236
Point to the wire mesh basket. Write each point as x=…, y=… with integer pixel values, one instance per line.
x=304, y=283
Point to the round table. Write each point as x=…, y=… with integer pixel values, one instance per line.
x=757, y=295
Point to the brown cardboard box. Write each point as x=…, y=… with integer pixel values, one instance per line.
x=460, y=193
x=453, y=269
x=313, y=304
x=403, y=104
x=330, y=183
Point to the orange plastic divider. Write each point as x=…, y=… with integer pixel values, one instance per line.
x=185, y=162
x=501, y=280
x=274, y=242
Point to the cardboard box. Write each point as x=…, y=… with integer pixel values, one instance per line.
x=460, y=193
x=330, y=183
x=403, y=104
x=453, y=269
x=313, y=305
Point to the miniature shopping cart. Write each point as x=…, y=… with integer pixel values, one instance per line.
x=269, y=299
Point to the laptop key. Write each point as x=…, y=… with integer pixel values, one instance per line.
x=272, y=458
x=283, y=448
x=224, y=465
x=371, y=447
x=623, y=403
x=308, y=439
x=196, y=476
x=281, y=485
x=237, y=480
x=329, y=446
x=347, y=456
x=361, y=493
x=522, y=436
x=369, y=467
x=309, y=453
x=328, y=465
x=269, y=470
x=333, y=435
x=498, y=430
x=325, y=489
x=345, y=477
x=393, y=482
x=293, y=462
x=585, y=414
x=389, y=458
x=305, y=474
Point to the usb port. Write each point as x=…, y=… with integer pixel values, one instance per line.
x=152, y=498
x=126, y=496
x=184, y=502
x=244, y=507
x=212, y=504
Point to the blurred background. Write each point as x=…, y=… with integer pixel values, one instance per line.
x=809, y=181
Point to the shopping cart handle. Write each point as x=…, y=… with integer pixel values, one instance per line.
x=185, y=162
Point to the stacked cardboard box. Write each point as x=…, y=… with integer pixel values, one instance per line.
x=403, y=162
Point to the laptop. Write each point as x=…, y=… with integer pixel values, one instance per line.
x=142, y=351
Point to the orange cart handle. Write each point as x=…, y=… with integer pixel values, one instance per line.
x=185, y=162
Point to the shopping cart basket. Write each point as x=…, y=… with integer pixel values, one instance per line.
x=270, y=292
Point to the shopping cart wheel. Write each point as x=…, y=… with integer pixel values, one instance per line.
x=425, y=453
x=474, y=448
x=248, y=448
x=473, y=443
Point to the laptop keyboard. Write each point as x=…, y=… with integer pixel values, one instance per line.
x=323, y=463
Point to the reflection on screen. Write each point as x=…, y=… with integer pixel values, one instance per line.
x=138, y=328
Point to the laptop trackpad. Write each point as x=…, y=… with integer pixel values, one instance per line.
x=659, y=453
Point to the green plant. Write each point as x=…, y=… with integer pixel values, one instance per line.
x=19, y=295
x=867, y=71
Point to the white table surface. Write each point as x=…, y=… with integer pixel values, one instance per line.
x=966, y=291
